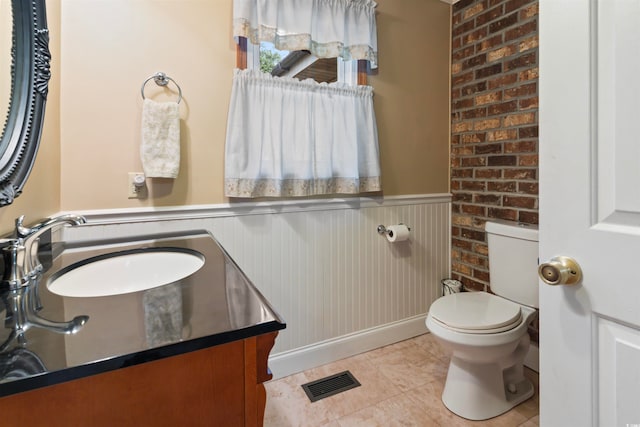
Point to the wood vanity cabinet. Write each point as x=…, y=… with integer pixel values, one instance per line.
x=216, y=386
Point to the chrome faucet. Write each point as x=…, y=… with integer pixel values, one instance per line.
x=30, y=236
x=21, y=314
x=21, y=277
x=13, y=254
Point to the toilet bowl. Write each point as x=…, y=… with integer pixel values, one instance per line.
x=485, y=377
x=486, y=333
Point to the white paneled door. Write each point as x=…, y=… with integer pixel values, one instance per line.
x=590, y=211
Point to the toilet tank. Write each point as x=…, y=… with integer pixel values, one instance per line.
x=513, y=260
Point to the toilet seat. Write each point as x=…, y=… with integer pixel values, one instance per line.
x=476, y=313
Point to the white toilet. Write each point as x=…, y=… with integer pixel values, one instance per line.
x=487, y=333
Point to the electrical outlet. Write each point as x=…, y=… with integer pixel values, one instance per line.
x=137, y=188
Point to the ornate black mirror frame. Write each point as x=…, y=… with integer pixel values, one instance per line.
x=30, y=73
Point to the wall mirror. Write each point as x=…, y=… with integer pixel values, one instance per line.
x=25, y=73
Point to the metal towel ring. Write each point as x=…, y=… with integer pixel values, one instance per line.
x=161, y=79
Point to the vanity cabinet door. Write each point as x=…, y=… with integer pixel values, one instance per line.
x=217, y=386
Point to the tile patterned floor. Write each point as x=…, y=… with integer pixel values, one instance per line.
x=401, y=386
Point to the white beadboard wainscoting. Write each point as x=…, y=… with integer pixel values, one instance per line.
x=339, y=285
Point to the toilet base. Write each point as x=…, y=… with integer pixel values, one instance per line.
x=479, y=391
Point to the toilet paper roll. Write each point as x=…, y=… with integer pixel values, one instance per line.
x=397, y=233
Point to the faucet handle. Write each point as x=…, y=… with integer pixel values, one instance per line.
x=21, y=230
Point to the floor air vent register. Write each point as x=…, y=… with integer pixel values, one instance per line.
x=330, y=385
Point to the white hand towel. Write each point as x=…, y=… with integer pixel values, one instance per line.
x=160, y=148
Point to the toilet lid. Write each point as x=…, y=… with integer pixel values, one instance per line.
x=475, y=311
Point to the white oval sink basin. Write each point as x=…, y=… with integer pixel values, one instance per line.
x=125, y=272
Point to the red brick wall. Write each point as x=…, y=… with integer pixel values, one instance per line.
x=494, y=141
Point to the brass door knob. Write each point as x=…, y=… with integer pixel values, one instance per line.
x=560, y=270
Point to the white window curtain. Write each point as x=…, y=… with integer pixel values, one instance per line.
x=287, y=137
x=327, y=28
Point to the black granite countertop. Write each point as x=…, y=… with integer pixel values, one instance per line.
x=215, y=305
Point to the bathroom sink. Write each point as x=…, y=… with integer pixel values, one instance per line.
x=125, y=272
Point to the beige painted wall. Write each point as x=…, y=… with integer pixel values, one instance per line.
x=92, y=127
x=41, y=194
x=412, y=95
x=103, y=67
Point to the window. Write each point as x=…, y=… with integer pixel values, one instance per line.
x=300, y=64
x=270, y=58
x=294, y=137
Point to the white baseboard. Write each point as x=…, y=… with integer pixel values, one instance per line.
x=301, y=359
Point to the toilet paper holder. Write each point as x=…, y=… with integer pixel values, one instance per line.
x=383, y=230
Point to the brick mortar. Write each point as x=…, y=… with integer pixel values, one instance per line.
x=494, y=143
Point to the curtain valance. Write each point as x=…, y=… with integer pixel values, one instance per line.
x=326, y=28
x=287, y=137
